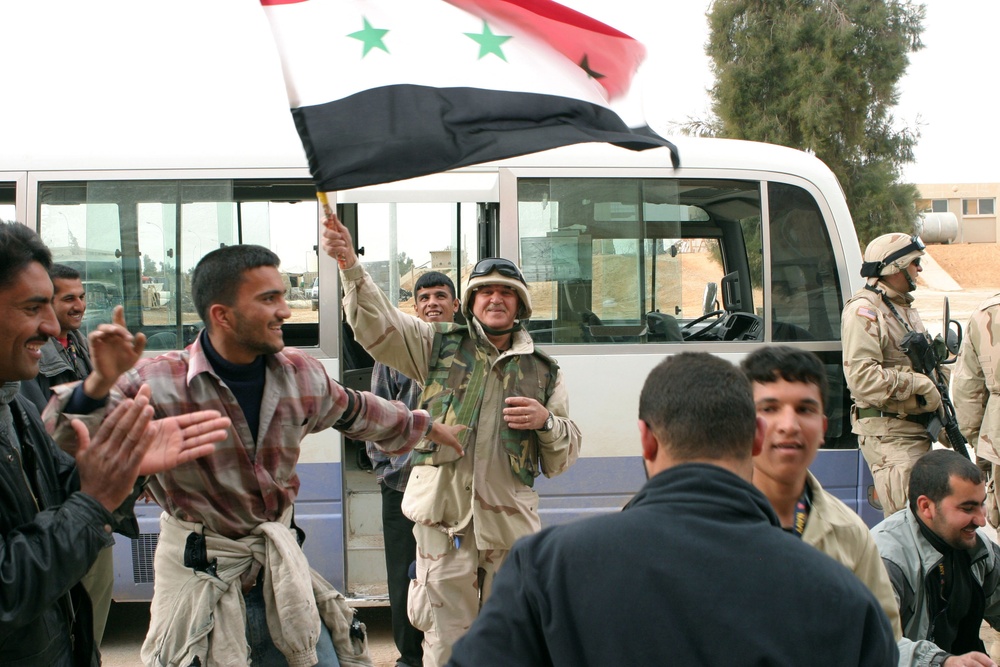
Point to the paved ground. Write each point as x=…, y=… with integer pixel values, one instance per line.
x=128, y=622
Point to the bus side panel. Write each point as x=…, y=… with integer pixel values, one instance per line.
x=844, y=473
x=318, y=512
x=591, y=486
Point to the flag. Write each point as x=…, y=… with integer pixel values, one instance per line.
x=383, y=90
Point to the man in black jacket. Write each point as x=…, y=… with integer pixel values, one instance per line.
x=696, y=570
x=56, y=513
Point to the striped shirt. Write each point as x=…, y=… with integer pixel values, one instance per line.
x=393, y=470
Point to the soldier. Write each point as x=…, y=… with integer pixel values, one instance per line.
x=892, y=402
x=468, y=510
x=975, y=383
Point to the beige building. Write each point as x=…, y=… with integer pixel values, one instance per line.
x=973, y=204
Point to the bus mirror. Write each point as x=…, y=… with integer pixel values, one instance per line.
x=952, y=330
x=709, y=304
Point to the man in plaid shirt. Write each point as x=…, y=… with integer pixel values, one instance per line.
x=434, y=301
x=275, y=396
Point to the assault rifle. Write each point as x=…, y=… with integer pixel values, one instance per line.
x=926, y=357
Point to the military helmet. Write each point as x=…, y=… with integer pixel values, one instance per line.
x=497, y=271
x=890, y=253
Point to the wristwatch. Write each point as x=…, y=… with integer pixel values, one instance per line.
x=550, y=421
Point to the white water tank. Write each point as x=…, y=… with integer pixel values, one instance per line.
x=937, y=227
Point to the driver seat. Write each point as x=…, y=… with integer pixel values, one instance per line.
x=662, y=327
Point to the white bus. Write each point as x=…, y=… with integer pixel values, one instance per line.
x=627, y=260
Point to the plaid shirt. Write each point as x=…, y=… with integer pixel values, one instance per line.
x=392, y=470
x=246, y=483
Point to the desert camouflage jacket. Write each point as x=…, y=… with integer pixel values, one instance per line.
x=878, y=372
x=976, y=385
x=486, y=484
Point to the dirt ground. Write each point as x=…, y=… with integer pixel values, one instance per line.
x=974, y=266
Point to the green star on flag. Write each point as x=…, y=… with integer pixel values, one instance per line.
x=372, y=37
x=488, y=42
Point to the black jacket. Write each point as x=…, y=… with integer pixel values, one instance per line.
x=695, y=572
x=45, y=616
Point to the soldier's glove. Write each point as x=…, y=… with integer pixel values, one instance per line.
x=925, y=388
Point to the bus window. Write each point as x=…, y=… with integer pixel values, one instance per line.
x=805, y=285
x=615, y=260
x=139, y=241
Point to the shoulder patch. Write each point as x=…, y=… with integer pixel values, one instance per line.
x=867, y=313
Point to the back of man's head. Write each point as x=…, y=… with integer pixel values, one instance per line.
x=19, y=246
x=782, y=362
x=932, y=473
x=219, y=274
x=699, y=407
x=434, y=279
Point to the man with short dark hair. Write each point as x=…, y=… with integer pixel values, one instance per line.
x=945, y=572
x=66, y=356
x=693, y=571
x=56, y=514
x=789, y=391
x=434, y=301
x=229, y=573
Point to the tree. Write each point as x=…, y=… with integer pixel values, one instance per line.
x=403, y=263
x=821, y=75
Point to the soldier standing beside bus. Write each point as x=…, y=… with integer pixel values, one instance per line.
x=892, y=403
x=488, y=375
x=976, y=384
x=434, y=301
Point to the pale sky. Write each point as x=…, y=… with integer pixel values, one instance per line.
x=192, y=79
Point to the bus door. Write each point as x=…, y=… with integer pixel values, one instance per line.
x=401, y=239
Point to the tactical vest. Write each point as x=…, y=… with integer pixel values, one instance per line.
x=454, y=389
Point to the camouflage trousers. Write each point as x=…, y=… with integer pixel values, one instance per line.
x=450, y=587
x=891, y=457
x=990, y=507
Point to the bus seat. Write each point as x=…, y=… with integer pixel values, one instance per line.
x=662, y=327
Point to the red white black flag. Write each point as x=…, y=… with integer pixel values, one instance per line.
x=383, y=90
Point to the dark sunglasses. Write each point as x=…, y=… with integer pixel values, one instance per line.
x=504, y=267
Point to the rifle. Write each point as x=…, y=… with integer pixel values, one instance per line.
x=926, y=358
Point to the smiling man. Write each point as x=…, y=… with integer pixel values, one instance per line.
x=945, y=573
x=65, y=356
x=434, y=301
x=789, y=392
x=489, y=376
x=227, y=561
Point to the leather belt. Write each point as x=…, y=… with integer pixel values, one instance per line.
x=922, y=419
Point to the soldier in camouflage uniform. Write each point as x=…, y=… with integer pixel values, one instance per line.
x=469, y=510
x=892, y=402
x=976, y=382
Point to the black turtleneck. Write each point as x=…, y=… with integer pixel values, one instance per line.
x=246, y=381
x=956, y=599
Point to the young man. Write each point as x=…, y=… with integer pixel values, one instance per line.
x=693, y=571
x=229, y=515
x=434, y=301
x=892, y=402
x=66, y=356
x=789, y=391
x=488, y=376
x=57, y=514
x=945, y=573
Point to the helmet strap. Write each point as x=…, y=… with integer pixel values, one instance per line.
x=498, y=332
